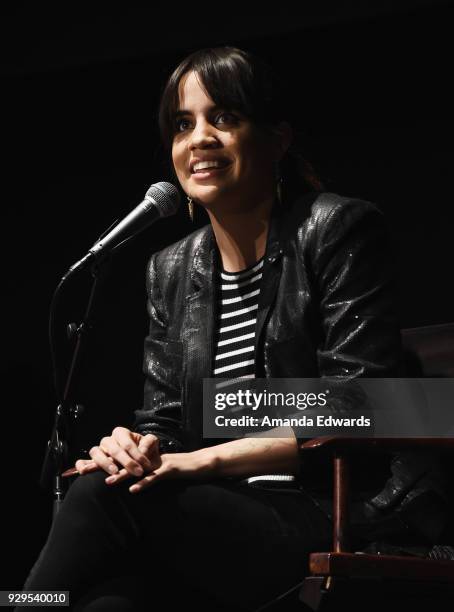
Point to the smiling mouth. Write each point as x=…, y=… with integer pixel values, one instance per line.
x=199, y=165
x=207, y=172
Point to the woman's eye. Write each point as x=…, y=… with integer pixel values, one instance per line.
x=229, y=116
x=180, y=124
x=184, y=124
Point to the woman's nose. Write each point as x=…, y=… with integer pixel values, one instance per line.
x=202, y=136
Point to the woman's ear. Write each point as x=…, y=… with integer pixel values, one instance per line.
x=284, y=137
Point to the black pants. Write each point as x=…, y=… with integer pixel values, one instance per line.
x=228, y=545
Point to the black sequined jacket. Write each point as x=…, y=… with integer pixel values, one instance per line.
x=326, y=308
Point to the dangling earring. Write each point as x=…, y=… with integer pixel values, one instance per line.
x=191, y=207
x=279, y=190
x=279, y=184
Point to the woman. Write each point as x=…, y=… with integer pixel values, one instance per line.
x=285, y=281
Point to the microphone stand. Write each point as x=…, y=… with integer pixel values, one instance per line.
x=68, y=410
x=161, y=200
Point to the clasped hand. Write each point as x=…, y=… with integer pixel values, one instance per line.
x=125, y=454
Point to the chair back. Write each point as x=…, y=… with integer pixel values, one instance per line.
x=429, y=351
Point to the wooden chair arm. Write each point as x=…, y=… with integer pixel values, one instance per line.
x=340, y=444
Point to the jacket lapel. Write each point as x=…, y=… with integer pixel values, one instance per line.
x=201, y=307
x=271, y=275
x=198, y=333
x=283, y=221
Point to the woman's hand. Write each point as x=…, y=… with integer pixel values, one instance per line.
x=135, y=453
x=197, y=464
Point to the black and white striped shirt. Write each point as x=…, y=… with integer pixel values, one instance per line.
x=234, y=358
x=235, y=335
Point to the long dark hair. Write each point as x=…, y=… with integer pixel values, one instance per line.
x=238, y=80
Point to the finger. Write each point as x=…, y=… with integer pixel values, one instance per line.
x=117, y=478
x=110, y=446
x=123, y=475
x=141, y=450
x=149, y=446
x=124, y=459
x=150, y=479
x=84, y=466
x=103, y=460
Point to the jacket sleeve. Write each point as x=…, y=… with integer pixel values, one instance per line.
x=161, y=414
x=351, y=265
x=352, y=278
x=353, y=271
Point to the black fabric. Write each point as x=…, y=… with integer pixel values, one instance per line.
x=223, y=544
x=326, y=309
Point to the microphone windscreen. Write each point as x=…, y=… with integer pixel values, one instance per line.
x=166, y=197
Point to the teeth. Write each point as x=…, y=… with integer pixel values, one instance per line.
x=208, y=164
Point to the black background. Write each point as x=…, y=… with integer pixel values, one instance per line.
x=370, y=89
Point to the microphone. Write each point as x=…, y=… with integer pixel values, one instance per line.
x=161, y=200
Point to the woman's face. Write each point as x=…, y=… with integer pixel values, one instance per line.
x=237, y=159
